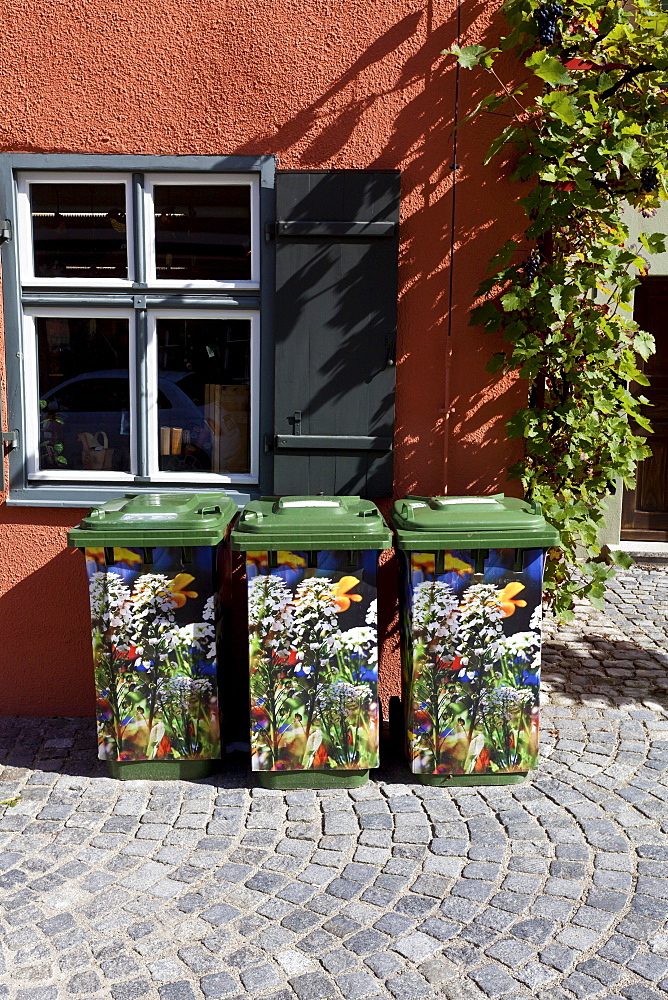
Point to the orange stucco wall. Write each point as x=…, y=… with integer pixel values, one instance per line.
x=320, y=83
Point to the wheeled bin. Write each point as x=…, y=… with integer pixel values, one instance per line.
x=313, y=647
x=155, y=569
x=472, y=570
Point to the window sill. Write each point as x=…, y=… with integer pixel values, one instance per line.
x=93, y=496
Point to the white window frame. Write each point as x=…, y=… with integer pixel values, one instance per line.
x=25, y=227
x=209, y=478
x=187, y=180
x=142, y=298
x=32, y=396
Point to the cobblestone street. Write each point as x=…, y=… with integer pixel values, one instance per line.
x=556, y=888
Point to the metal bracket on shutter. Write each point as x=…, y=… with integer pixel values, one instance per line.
x=298, y=229
x=10, y=439
x=331, y=442
x=5, y=231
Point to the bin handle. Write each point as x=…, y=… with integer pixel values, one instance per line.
x=251, y=515
x=285, y=503
x=407, y=512
x=209, y=509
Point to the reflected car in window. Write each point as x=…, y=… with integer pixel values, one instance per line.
x=90, y=414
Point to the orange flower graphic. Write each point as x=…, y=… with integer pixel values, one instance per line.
x=120, y=555
x=341, y=596
x=423, y=561
x=291, y=559
x=507, y=600
x=452, y=564
x=176, y=589
x=259, y=558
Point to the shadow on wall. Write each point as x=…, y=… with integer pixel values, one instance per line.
x=45, y=625
x=450, y=413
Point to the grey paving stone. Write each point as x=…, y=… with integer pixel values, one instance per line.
x=383, y=963
x=367, y=941
x=559, y=957
x=606, y=973
x=408, y=986
x=56, y=925
x=417, y=946
x=119, y=966
x=132, y=990
x=342, y=926
x=357, y=985
x=316, y=942
x=313, y=987
x=220, y=984
x=581, y=985
x=260, y=978
x=492, y=980
x=651, y=967
x=536, y=930
x=220, y=914
x=393, y=923
x=510, y=951
x=300, y=920
x=619, y=949
x=177, y=991
x=338, y=960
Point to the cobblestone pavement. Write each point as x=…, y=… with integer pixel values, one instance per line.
x=557, y=888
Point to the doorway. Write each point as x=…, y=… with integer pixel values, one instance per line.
x=645, y=509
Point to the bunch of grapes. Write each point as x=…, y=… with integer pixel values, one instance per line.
x=546, y=18
x=649, y=179
x=530, y=265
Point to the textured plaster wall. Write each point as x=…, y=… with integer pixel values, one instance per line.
x=321, y=83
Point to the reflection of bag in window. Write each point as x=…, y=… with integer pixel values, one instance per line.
x=226, y=412
x=95, y=451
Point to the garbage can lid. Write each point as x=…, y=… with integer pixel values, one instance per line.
x=150, y=519
x=471, y=523
x=310, y=523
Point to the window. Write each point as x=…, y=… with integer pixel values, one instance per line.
x=136, y=297
x=199, y=322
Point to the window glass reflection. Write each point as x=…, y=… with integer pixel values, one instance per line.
x=84, y=399
x=202, y=231
x=79, y=230
x=204, y=374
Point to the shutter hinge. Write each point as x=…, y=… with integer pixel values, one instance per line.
x=11, y=439
x=5, y=231
x=269, y=442
x=269, y=232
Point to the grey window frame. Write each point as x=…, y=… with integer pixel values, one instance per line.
x=22, y=491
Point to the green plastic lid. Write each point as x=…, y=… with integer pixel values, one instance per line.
x=310, y=523
x=494, y=522
x=149, y=519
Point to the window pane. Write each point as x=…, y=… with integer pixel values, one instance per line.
x=202, y=231
x=79, y=230
x=84, y=398
x=204, y=372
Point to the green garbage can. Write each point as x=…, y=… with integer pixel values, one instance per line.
x=311, y=569
x=472, y=570
x=155, y=570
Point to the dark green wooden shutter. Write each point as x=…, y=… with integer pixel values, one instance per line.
x=336, y=301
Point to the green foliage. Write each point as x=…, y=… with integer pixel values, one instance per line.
x=593, y=141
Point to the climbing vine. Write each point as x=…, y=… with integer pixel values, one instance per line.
x=593, y=141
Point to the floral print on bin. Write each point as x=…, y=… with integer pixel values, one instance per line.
x=313, y=660
x=154, y=653
x=472, y=661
